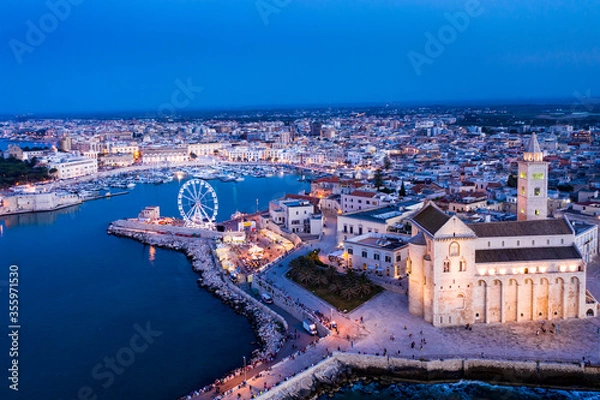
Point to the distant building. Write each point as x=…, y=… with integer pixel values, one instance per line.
x=315, y=129
x=204, y=149
x=117, y=160
x=362, y=200
x=164, y=155
x=74, y=167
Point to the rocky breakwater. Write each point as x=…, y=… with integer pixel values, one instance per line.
x=270, y=328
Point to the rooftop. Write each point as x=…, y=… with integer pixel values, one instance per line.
x=527, y=254
x=521, y=228
x=376, y=214
x=431, y=218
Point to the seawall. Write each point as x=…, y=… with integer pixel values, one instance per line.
x=342, y=368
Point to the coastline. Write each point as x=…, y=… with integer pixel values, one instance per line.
x=269, y=327
x=346, y=368
x=327, y=375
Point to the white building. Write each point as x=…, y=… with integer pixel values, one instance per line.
x=166, y=155
x=204, y=149
x=362, y=200
x=74, y=167
x=384, y=254
x=296, y=216
x=378, y=220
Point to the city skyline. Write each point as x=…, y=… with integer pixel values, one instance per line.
x=108, y=58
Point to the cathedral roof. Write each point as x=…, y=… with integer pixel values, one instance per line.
x=418, y=239
x=533, y=146
x=527, y=254
x=431, y=218
x=521, y=228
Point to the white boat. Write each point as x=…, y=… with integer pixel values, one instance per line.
x=130, y=185
x=240, y=179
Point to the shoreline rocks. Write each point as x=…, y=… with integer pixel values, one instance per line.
x=343, y=369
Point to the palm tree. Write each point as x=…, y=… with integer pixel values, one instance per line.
x=364, y=286
x=321, y=278
x=349, y=292
x=331, y=273
x=304, y=275
x=335, y=287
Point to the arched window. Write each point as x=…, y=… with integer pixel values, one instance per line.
x=462, y=265
x=447, y=266
x=454, y=249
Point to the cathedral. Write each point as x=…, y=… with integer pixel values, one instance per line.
x=524, y=270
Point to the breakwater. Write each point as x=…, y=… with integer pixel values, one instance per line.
x=344, y=368
x=270, y=327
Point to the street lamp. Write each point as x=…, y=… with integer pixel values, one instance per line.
x=244, y=357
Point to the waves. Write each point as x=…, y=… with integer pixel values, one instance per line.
x=461, y=390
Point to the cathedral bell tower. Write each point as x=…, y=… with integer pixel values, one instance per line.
x=532, y=183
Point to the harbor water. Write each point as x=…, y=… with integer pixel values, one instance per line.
x=109, y=317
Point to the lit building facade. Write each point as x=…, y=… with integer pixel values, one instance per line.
x=530, y=269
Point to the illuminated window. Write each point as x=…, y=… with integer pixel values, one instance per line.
x=537, y=176
x=523, y=175
x=537, y=212
x=522, y=211
x=522, y=189
x=537, y=191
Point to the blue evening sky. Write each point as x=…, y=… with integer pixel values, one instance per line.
x=126, y=55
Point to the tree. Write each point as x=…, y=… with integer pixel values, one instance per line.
x=402, y=191
x=387, y=164
x=364, y=286
x=193, y=156
x=52, y=171
x=378, y=179
x=512, y=181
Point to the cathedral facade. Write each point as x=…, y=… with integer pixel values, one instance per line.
x=524, y=270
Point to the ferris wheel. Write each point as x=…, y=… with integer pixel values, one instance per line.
x=198, y=204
